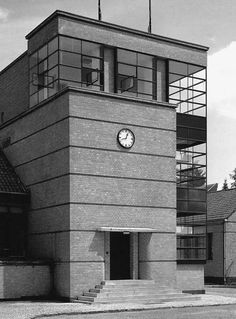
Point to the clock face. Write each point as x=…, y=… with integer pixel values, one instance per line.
x=126, y=138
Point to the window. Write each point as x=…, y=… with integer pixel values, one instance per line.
x=191, y=247
x=67, y=61
x=209, y=246
x=135, y=74
x=81, y=63
x=44, y=72
x=12, y=232
x=187, y=87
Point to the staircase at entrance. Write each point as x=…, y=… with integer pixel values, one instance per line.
x=132, y=291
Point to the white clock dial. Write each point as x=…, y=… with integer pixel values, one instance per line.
x=126, y=138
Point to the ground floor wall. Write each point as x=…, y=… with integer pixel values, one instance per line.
x=20, y=279
x=151, y=256
x=190, y=277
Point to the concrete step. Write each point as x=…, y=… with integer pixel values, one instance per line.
x=127, y=282
x=132, y=295
x=132, y=291
x=131, y=286
x=136, y=299
x=143, y=290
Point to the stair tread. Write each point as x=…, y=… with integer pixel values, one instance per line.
x=139, y=296
x=128, y=281
x=100, y=296
x=133, y=291
x=140, y=300
x=110, y=288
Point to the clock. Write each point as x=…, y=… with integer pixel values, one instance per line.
x=126, y=138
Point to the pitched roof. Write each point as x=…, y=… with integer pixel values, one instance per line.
x=9, y=180
x=221, y=204
x=212, y=187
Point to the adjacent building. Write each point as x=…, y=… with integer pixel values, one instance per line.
x=221, y=229
x=94, y=117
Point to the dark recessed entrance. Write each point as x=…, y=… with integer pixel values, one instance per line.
x=119, y=256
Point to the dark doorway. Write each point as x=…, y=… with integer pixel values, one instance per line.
x=119, y=256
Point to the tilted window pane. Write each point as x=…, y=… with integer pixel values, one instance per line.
x=53, y=74
x=90, y=76
x=53, y=88
x=126, y=83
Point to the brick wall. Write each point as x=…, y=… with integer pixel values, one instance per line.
x=19, y=280
x=110, y=186
x=66, y=153
x=39, y=152
x=121, y=38
x=14, y=89
x=190, y=278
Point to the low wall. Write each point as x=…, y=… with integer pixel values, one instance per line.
x=190, y=278
x=21, y=279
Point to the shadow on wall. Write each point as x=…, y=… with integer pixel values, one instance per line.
x=97, y=246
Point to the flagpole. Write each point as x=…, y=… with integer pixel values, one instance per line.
x=150, y=17
x=99, y=10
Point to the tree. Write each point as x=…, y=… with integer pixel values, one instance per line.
x=233, y=177
x=225, y=186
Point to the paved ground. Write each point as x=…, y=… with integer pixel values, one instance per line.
x=36, y=310
x=215, y=312
x=214, y=296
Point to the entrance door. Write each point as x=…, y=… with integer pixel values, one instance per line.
x=119, y=256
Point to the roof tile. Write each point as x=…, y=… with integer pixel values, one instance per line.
x=9, y=180
x=221, y=204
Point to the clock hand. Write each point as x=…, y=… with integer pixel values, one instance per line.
x=124, y=138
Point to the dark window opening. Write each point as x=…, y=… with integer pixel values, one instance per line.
x=12, y=233
x=209, y=246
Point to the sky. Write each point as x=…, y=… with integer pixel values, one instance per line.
x=208, y=22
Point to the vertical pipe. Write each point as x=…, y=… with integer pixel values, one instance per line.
x=99, y=10
x=150, y=17
x=224, y=272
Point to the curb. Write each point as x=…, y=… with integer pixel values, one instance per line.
x=128, y=310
